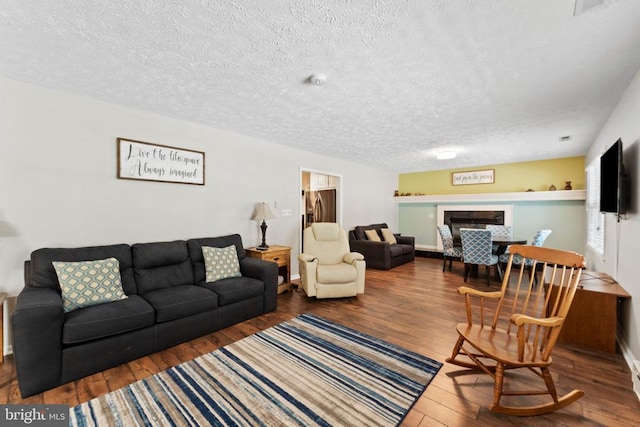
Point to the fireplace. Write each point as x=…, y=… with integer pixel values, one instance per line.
x=470, y=219
x=472, y=216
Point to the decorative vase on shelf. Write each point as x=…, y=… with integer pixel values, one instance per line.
x=567, y=185
x=552, y=187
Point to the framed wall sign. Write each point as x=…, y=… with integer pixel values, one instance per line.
x=473, y=177
x=153, y=162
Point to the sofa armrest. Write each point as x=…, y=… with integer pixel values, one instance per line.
x=267, y=272
x=376, y=254
x=406, y=240
x=37, y=339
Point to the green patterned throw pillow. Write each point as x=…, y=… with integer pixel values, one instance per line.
x=220, y=263
x=87, y=283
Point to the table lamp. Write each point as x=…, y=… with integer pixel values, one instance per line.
x=261, y=214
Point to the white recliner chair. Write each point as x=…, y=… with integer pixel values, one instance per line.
x=327, y=268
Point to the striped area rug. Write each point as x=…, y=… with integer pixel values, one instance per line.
x=306, y=371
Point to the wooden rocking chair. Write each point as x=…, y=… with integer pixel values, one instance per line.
x=525, y=325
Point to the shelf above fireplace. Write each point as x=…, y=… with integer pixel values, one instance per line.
x=523, y=196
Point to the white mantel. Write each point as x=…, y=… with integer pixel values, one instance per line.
x=522, y=196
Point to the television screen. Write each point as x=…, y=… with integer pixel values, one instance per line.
x=611, y=180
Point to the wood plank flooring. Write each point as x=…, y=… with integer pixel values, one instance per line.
x=415, y=306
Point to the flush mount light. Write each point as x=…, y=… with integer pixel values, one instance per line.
x=445, y=155
x=317, y=79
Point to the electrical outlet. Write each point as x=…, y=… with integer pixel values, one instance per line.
x=286, y=212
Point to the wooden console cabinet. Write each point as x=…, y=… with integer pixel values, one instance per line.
x=280, y=255
x=593, y=317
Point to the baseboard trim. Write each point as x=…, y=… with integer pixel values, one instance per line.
x=630, y=359
x=427, y=248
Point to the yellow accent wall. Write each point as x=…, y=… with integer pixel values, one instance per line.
x=510, y=177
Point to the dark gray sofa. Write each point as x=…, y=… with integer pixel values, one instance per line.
x=168, y=302
x=381, y=255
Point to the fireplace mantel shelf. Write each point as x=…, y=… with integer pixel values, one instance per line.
x=523, y=196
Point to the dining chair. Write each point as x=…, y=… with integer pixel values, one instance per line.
x=499, y=232
x=517, y=327
x=449, y=251
x=538, y=240
x=476, y=250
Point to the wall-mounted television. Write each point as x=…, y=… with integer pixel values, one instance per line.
x=614, y=191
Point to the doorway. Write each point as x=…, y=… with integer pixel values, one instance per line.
x=321, y=199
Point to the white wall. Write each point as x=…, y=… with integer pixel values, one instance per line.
x=622, y=239
x=58, y=184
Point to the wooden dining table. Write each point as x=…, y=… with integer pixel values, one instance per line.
x=504, y=244
x=502, y=248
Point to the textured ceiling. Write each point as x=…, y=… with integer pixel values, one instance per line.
x=498, y=81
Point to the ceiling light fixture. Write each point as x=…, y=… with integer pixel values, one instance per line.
x=446, y=155
x=317, y=79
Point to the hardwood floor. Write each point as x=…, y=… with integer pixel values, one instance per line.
x=415, y=306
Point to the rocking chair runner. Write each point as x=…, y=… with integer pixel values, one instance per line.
x=525, y=325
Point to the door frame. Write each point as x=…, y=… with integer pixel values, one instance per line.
x=301, y=210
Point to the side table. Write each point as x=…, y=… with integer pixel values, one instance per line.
x=280, y=255
x=593, y=316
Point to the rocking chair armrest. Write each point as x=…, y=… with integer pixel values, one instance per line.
x=521, y=319
x=463, y=290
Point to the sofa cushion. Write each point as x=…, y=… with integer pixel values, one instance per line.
x=181, y=301
x=236, y=289
x=87, y=283
x=388, y=236
x=372, y=235
x=104, y=320
x=406, y=249
x=161, y=265
x=43, y=274
x=220, y=263
x=195, y=252
x=396, y=250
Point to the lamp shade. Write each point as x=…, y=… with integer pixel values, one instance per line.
x=262, y=212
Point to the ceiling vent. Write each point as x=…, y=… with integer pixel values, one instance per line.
x=565, y=138
x=584, y=5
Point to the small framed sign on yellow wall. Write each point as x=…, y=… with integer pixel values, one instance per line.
x=153, y=162
x=473, y=177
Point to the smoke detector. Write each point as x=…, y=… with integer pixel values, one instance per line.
x=317, y=79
